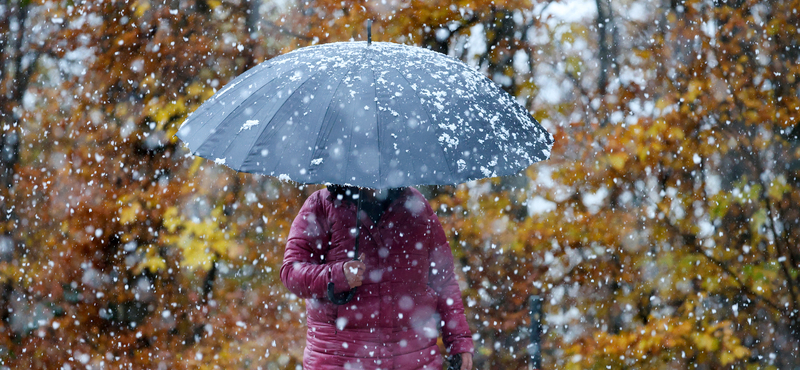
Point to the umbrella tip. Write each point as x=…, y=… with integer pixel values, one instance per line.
x=369, y=32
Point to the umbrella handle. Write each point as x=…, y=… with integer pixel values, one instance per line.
x=345, y=297
x=341, y=298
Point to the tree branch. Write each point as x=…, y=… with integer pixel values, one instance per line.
x=744, y=288
x=602, y=39
x=17, y=48
x=691, y=240
x=4, y=25
x=781, y=249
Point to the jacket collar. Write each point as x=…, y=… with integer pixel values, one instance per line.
x=366, y=221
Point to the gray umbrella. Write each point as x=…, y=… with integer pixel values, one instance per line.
x=375, y=115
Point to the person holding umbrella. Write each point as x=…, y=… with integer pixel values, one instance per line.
x=406, y=284
x=370, y=120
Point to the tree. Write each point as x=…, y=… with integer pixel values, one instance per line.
x=670, y=243
x=663, y=232
x=129, y=254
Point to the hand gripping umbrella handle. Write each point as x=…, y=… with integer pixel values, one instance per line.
x=344, y=297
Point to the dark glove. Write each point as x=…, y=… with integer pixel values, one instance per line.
x=455, y=362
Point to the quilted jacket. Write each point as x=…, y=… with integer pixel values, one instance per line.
x=409, y=294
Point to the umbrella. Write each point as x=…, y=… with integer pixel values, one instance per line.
x=376, y=115
x=364, y=114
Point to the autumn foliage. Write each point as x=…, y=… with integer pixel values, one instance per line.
x=663, y=233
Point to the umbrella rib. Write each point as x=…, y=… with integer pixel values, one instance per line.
x=214, y=99
x=273, y=117
x=347, y=165
x=327, y=109
x=474, y=101
x=268, y=122
x=424, y=109
x=231, y=113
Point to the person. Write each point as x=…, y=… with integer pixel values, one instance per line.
x=406, y=291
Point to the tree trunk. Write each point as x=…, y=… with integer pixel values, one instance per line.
x=604, y=50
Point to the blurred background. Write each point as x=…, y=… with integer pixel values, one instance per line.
x=663, y=233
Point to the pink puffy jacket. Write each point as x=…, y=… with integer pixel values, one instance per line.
x=409, y=286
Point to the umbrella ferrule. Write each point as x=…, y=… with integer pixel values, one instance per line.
x=369, y=32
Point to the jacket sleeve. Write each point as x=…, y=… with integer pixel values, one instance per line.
x=304, y=271
x=455, y=331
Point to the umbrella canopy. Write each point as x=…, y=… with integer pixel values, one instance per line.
x=377, y=115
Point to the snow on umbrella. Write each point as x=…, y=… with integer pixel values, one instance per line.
x=376, y=115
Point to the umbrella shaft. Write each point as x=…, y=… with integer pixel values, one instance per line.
x=358, y=225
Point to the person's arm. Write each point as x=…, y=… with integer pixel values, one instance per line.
x=304, y=271
x=455, y=332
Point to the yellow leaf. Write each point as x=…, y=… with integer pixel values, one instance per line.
x=171, y=219
x=676, y=133
x=128, y=214
x=618, y=160
x=661, y=104
x=195, y=89
x=778, y=188
x=195, y=165
x=705, y=341
x=163, y=113
x=141, y=7
x=741, y=352
x=195, y=254
x=726, y=358
x=695, y=89
x=151, y=261
x=200, y=242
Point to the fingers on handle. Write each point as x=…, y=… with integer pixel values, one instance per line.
x=467, y=364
